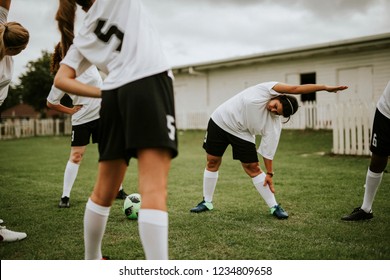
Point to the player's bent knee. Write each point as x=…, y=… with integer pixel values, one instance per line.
x=252, y=169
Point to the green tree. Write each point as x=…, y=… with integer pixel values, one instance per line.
x=34, y=86
x=36, y=82
x=14, y=97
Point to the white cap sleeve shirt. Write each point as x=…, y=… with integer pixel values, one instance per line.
x=245, y=115
x=383, y=104
x=91, y=106
x=118, y=38
x=6, y=64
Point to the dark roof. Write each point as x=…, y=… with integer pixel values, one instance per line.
x=20, y=111
x=27, y=111
x=373, y=42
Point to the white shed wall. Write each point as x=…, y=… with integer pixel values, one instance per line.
x=198, y=94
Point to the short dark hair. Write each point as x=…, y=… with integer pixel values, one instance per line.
x=289, y=103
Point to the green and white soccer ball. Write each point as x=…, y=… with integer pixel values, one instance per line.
x=131, y=206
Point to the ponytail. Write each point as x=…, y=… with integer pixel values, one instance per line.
x=13, y=35
x=65, y=17
x=56, y=59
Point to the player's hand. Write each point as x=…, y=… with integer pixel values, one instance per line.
x=76, y=108
x=268, y=181
x=335, y=88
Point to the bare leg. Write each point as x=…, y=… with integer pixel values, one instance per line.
x=110, y=176
x=153, y=168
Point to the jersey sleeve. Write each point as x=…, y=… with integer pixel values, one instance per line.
x=269, y=86
x=76, y=60
x=270, y=139
x=55, y=96
x=3, y=94
x=3, y=15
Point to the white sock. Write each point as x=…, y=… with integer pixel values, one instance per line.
x=70, y=175
x=372, y=184
x=95, y=220
x=209, y=183
x=153, y=231
x=121, y=188
x=264, y=191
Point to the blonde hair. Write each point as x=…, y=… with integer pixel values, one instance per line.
x=13, y=36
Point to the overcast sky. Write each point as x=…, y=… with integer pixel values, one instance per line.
x=196, y=31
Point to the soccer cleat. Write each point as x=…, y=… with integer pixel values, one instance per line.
x=358, y=214
x=202, y=207
x=279, y=212
x=105, y=258
x=64, y=202
x=121, y=194
x=7, y=235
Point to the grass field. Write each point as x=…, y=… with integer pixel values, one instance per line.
x=315, y=187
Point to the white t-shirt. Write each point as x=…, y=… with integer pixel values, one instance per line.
x=383, y=104
x=245, y=115
x=6, y=64
x=118, y=38
x=91, y=106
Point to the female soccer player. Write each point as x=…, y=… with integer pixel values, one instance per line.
x=254, y=111
x=85, y=110
x=380, y=149
x=137, y=116
x=13, y=40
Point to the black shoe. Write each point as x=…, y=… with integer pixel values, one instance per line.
x=64, y=202
x=279, y=212
x=121, y=194
x=202, y=207
x=358, y=214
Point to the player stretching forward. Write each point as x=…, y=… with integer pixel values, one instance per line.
x=254, y=111
x=137, y=115
x=84, y=112
x=13, y=40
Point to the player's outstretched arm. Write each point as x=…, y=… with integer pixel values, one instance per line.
x=305, y=89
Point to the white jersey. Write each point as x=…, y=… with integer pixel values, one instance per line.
x=118, y=38
x=383, y=104
x=245, y=115
x=91, y=106
x=6, y=64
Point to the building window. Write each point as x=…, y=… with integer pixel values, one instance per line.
x=308, y=78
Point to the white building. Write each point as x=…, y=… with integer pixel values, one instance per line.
x=363, y=64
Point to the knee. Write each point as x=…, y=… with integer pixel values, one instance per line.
x=378, y=163
x=252, y=169
x=76, y=157
x=213, y=164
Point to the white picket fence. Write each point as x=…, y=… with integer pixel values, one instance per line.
x=351, y=125
x=16, y=128
x=311, y=116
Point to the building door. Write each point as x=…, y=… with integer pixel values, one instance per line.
x=360, y=85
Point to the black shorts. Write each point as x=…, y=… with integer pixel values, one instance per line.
x=81, y=134
x=380, y=138
x=138, y=115
x=217, y=140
